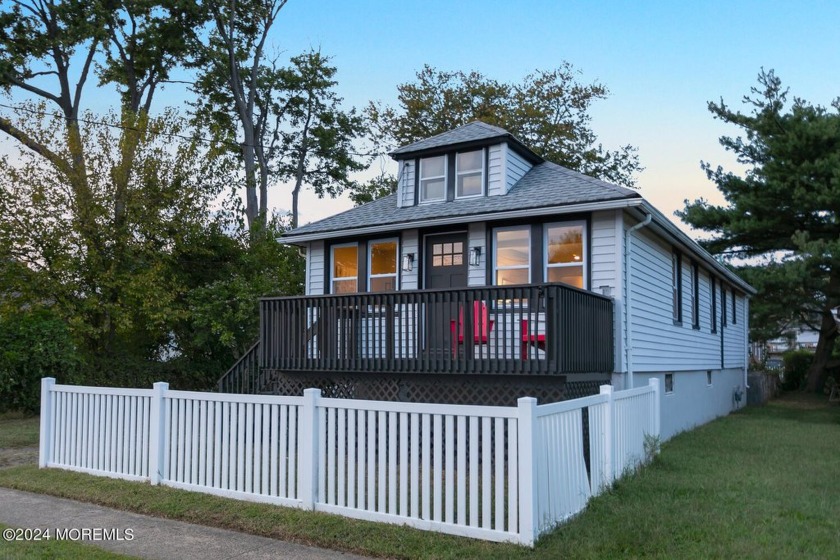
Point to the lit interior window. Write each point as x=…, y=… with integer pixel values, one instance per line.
x=345, y=269
x=383, y=266
x=513, y=256
x=565, y=255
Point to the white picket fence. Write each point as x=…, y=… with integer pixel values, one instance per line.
x=494, y=473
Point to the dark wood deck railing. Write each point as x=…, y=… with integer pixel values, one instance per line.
x=531, y=329
x=245, y=375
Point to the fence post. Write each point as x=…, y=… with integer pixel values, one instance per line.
x=609, y=466
x=308, y=437
x=157, y=432
x=657, y=407
x=46, y=437
x=528, y=472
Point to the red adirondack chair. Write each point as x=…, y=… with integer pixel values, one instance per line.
x=530, y=339
x=482, y=325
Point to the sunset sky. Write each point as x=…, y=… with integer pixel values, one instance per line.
x=662, y=61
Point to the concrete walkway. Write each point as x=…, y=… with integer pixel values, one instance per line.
x=153, y=537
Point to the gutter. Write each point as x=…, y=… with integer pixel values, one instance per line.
x=462, y=219
x=628, y=324
x=694, y=247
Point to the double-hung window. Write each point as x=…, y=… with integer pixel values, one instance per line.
x=723, y=304
x=345, y=269
x=695, y=296
x=713, y=291
x=734, y=309
x=676, y=286
x=382, y=264
x=469, y=174
x=512, y=258
x=433, y=179
x=565, y=255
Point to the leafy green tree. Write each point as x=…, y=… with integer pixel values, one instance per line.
x=49, y=51
x=131, y=302
x=784, y=207
x=237, y=85
x=33, y=344
x=381, y=185
x=317, y=146
x=283, y=123
x=548, y=111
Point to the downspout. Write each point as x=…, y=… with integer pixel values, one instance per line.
x=628, y=324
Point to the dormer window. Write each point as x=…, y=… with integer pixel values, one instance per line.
x=433, y=179
x=469, y=174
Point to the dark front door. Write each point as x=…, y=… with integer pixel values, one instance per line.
x=446, y=267
x=446, y=261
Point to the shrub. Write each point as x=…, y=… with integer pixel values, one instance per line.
x=797, y=363
x=33, y=344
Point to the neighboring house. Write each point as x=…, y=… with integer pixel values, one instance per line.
x=492, y=274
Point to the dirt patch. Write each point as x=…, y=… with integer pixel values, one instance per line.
x=14, y=456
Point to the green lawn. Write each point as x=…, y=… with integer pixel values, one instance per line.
x=38, y=550
x=18, y=431
x=762, y=483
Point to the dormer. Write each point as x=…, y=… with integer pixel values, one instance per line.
x=473, y=161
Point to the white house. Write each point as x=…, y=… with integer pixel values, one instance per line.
x=493, y=274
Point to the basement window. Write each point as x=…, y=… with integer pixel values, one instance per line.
x=669, y=383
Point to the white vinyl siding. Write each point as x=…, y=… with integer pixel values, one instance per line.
x=658, y=344
x=733, y=335
x=405, y=188
x=606, y=269
x=410, y=244
x=496, y=170
x=477, y=275
x=315, y=269
x=516, y=168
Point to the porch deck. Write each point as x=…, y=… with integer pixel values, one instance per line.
x=531, y=329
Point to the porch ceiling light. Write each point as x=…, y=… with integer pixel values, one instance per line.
x=475, y=256
x=408, y=262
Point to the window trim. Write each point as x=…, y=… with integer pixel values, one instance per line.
x=527, y=266
x=695, y=296
x=584, y=262
x=483, y=192
x=333, y=277
x=676, y=287
x=713, y=289
x=421, y=191
x=723, y=304
x=395, y=275
x=734, y=309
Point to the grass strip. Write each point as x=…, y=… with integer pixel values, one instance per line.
x=18, y=431
x=761, y=483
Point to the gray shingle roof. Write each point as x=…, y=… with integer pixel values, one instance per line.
x=545, y=185
x=473, y=132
